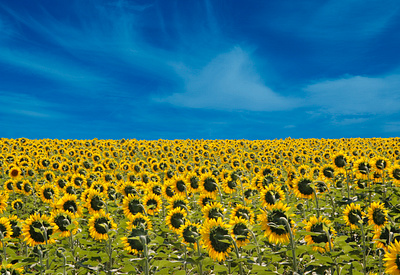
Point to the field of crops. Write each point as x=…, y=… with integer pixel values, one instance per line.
x=306, y=206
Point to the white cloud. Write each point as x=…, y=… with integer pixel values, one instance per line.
x=356, y=95
x=228, y=82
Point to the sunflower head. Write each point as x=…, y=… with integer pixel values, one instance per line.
x=189, y=232
x=353, y=215
x=216, y=238
x=377, y=215
x=240, y=231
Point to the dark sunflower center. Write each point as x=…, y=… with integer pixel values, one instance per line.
x=138, y=221
x=102, y=225
x=275, y=217
x=14, y=173
x=18, y=184
x=380, y=164
x=62, y=222
x=177, y=220
x=190, y=233
x=70, y=190
x=18, y=205
x=240, y=231
x=96, y=203
x=194, y=182
x=232, y=184
x=328, y=172
x=305, y=187
x=27, y=187
x=207, y=201
x=130, y=190
x=215, y=213
x=379, y=216
x=398, y=261
x=10, y=185
x=363, y=168
x=354, y=216
x=49, y=177
x=157, y=190
x=396, y=173
x=243, y=213
x=210, y=185
x=318, y=228
x=70, y=206
x=217, y=235
x=61, y=183
x=340, y=161
x=169, y=191
x=135, y=243
x=271, y=197
x=3, y=230
x=135, y=207
x=78, y=181
x=181, y=186
x=38, y=234
x=48, y=193
x=17, y=231
x=152, y=204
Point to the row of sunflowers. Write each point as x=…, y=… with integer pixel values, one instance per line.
x=305, y=206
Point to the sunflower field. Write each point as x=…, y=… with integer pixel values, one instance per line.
x=287, y=206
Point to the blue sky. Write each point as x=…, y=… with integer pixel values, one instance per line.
x=221, y=69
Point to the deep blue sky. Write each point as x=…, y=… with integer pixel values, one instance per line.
x=221, y=69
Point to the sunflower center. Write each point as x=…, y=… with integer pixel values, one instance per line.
x=177, y=220
x=157, y=190
x=36, y=233
x=396, y=173
x=215, y=213
x=318, y=228
x=70, y=206
x=3, y=230
x=96, y=203
x=152, y=204
x=271, y=197
x=169, y=191
x=18, y=205
x=194, y=182
x=398, y=261
x=10, y=185
x=363, y=168
x=275, y=217
x=62, y=222
x=379, y=217
x=70, y=190
x=135, y=207
x=210, y=185
x=179, y=203
x=190, y=233
x=180, y=185
x=17, y=231
x=61, y=183
x=216, y=235
x=243, y=213
x=240, y=231
x=135, y=243
x=328, y=172
x=102, y=225
x=305, y=187
x=340, y=161
x=48, y=193
x=354, y=216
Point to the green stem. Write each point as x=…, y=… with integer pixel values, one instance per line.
x=316, y=201
x=185, y=252
x=364, y=247
x=381, y=253
x=146, y=254
x=292, y=244
x=237, y=254
x=200, y=264
x=259, y=255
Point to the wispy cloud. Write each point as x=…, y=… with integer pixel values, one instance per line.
x=356, y=95
x=28, y=106
x=228, y=82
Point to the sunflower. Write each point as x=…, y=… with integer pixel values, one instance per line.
x=362, y=168
x=383, y=236
x=15, y=172
x=168, y=191
x=37, y=230
x=128, y=188
x=49, y=176
x=175, y=218
x=15, y=226
x=139, y=220
x=303, y=187
x=9, y=185
x=353, y=215
x=213, y=210
x=194, y=182
x=11, y=269
x=272, y=224
x=178, y=201
x=48, y=193
x=391, y=259
x=70, y=188
x=154, y=188
x=5, y=229
x=3, y=200
x=215, y=234
x=78, y=180
x=320, y=226
x=271, y=195
x=189, y=233
x=60, y=219
x=208, y=184
x=229, y=185
x=152, y=203
x=134, y=242
x=100, y=224
x=132, y=205
x=240, y=231
x=394, y=173
x=340, y=160
x=380, y=164
x=377, y=215
x=327, y=172
x=17, y=204
x=69, y=203
x=94, y=201
x=205, y=199
x=243, y=212
x=179, y=184
x=27, y=188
